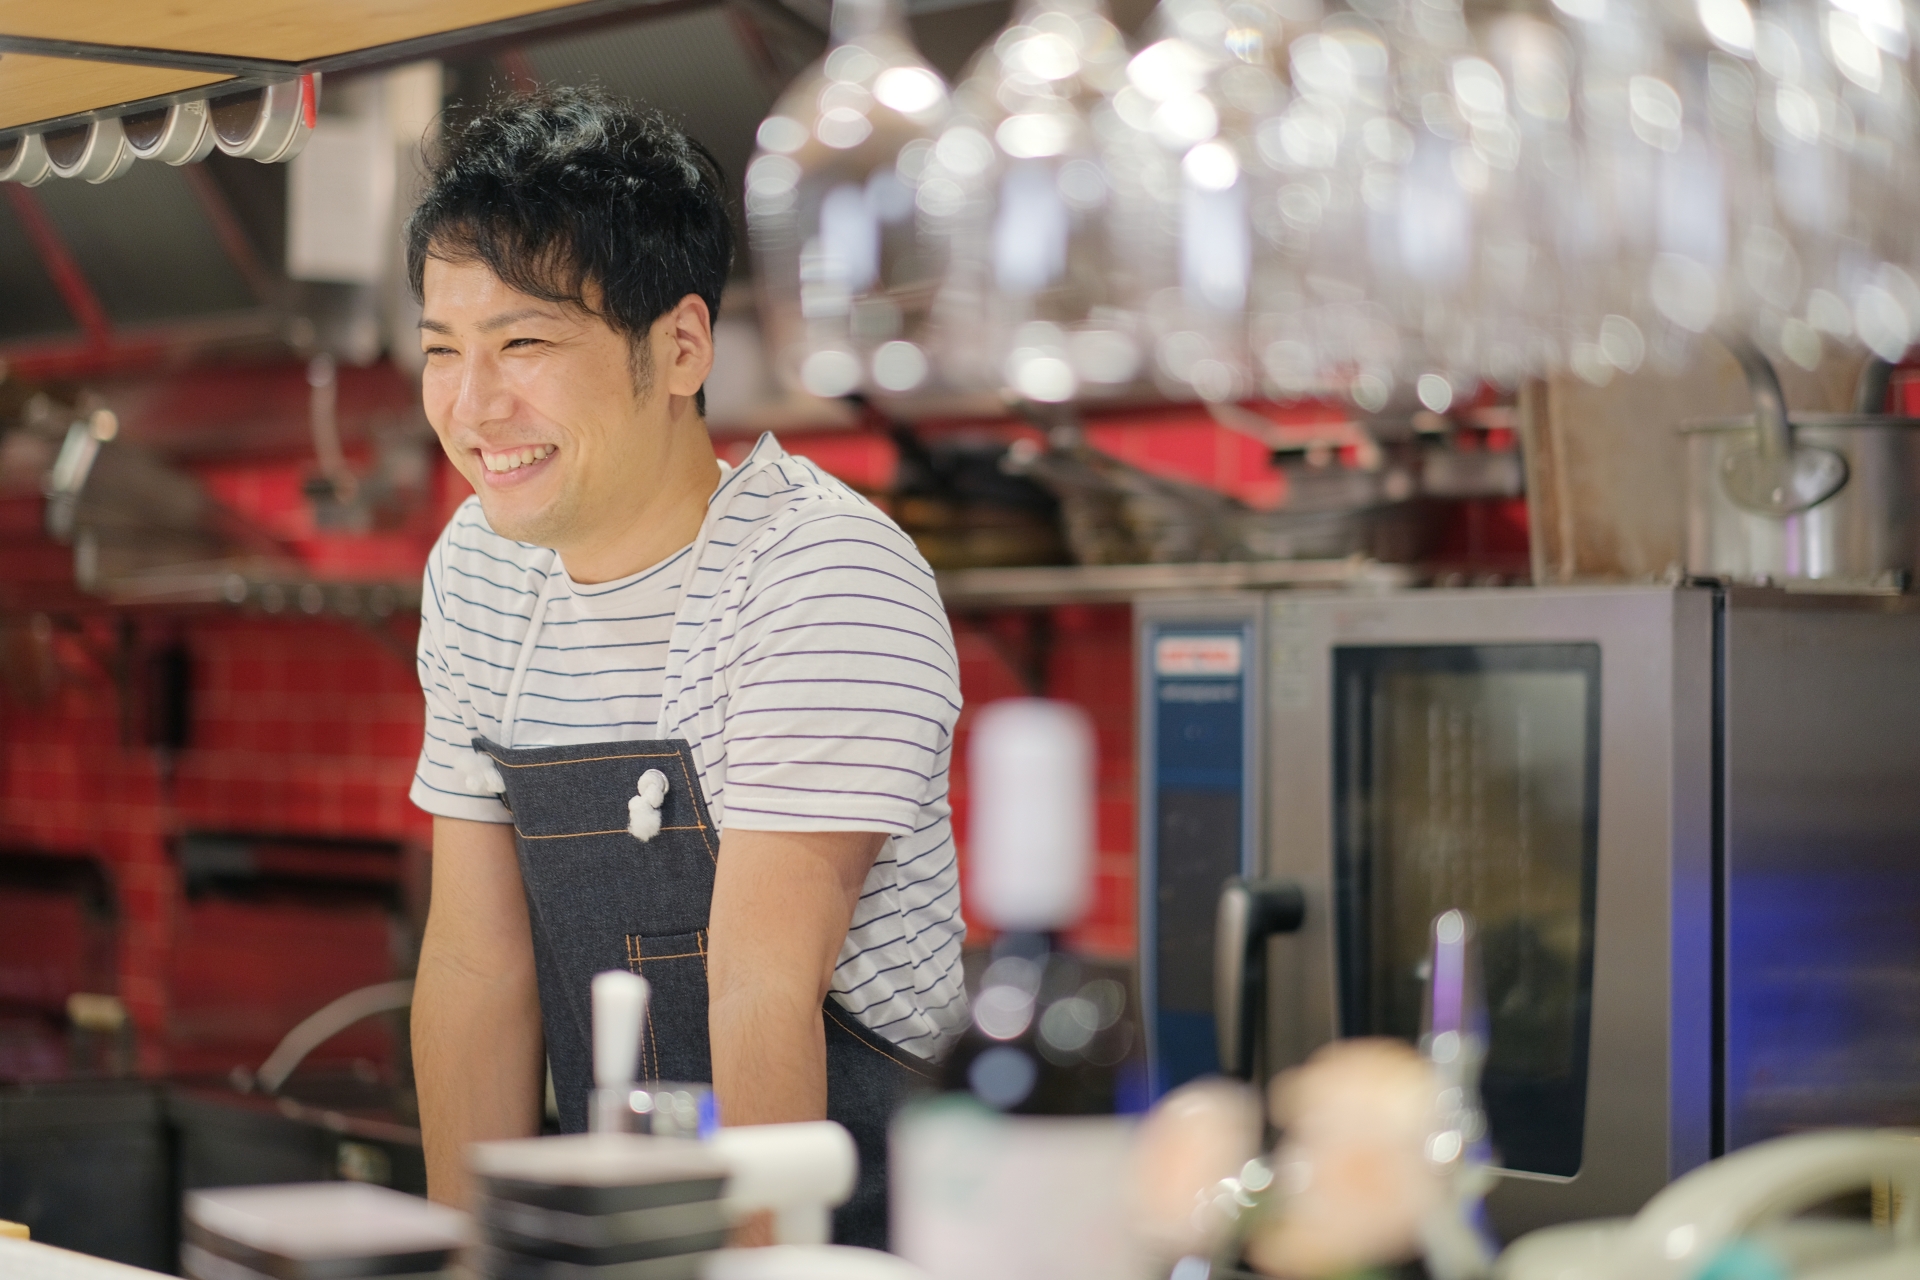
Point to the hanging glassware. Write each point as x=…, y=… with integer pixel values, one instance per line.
x=846, y=282
x=1018, y=186
x=1186, y=189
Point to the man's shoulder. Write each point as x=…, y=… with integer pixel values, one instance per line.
x=794, y=502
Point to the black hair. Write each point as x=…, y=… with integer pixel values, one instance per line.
x=567, y=189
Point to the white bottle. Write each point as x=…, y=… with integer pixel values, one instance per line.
x=1011, y=1173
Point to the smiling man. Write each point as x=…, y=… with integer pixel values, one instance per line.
x=682, y=718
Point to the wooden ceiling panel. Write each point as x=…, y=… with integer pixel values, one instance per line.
x=47, y=88
x=281, y=30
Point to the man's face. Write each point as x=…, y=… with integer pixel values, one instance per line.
x=538, y=404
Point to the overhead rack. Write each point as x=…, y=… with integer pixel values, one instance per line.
x=66, y=65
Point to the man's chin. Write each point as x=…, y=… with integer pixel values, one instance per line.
x=538, y=525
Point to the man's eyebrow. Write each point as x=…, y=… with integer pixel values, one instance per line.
x=505, y=318
x=493, y=324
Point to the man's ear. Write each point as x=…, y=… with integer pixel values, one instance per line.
x=683, y=342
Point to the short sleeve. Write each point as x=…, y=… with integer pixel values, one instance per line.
x=842, y=683
x=440, y=780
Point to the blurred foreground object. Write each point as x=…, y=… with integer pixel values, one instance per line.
x=1017, y=1170
x=1196, y=1170
x=1736, y=1218
x=315, y=1231
x=1352, y=1173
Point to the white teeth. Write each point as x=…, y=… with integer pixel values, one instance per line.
x=514, y=459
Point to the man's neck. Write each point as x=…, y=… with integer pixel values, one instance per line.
x=667, y=518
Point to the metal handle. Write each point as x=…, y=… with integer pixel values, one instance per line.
x=1250, y=912
x=1773, y=429
x=326, y=1022
x=1870, y=391
x=1775, y=476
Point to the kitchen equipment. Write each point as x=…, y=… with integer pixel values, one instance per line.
x=1826, y=500
x=317, y=1231
x=797, y=1172
x=23, y=159
x=1682, y=818
x=1749, y=1199
x=86, y=1166
x=620, y=1206
x=177, y=134
x=810, y=1262
x=270, y=124
x=96, y=151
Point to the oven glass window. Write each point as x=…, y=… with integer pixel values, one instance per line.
x=1468, y=776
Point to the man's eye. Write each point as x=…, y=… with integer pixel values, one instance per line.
x=439, y=351
x=523, y=342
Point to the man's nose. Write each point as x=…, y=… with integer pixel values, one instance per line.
x=483, y=395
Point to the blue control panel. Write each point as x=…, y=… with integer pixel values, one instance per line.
x=1196, y=830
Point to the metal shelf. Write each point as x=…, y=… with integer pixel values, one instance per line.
x=1111, y=583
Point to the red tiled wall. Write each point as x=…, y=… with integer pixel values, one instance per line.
x=299, y=728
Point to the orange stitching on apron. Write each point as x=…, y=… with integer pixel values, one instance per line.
x=682, y=955
x=700, y=827
x=581, y=835
x=828, y=1009
x=549, y=764
x=700, y=941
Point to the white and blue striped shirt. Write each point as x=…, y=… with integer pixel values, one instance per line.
x=812, y=670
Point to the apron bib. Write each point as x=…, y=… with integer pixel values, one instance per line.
x=598, y=899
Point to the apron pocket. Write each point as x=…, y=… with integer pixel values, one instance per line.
x=674, y=1044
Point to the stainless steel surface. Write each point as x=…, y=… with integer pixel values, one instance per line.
x=1104, y=583
x=1820, y=498
x=1649, y=1069
x=1822, y=882
x=1865, y=535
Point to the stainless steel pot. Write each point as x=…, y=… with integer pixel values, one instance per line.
x=1825, y=500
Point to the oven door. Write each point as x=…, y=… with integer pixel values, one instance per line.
x=1541, y=759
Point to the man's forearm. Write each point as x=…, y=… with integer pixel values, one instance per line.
x=769, y=1057
x=478, y=1058
x=781, y=903
x=479, y=1062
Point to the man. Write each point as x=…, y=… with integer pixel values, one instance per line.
x=681, y=718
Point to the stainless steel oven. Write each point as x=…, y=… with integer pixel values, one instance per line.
x=1687, y=820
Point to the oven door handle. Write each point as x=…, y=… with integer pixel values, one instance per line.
x=1250, y=912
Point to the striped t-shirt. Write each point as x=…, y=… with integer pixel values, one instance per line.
x=811, y=669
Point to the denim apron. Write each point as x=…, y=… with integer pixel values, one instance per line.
x=599, y=898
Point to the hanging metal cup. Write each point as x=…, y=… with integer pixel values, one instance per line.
x=23, y=159
x=96, y=152
x=179, y=134
x=269, y=124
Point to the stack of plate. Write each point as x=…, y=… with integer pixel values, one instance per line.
x=598, y=1207
x=317, y=1231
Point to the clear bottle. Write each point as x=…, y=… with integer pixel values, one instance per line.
x=845, y=279
x=1018, y=186
x=1051, y=1032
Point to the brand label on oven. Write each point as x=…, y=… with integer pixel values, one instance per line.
x=1215, y=655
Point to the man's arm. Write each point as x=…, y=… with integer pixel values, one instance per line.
x=478, y=1057
x=782, y=902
